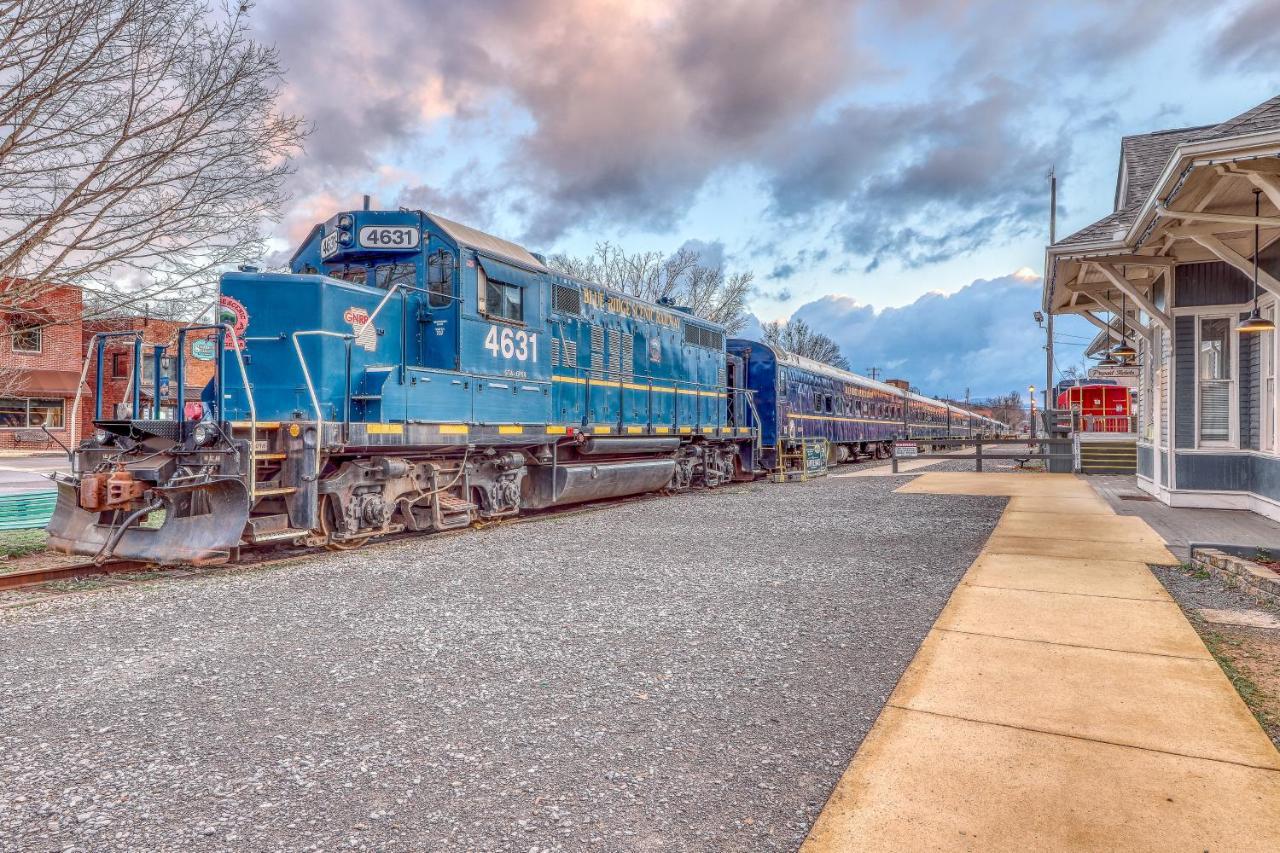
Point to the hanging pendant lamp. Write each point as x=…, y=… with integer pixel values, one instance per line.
x=1255, y=322
x=1125, y=351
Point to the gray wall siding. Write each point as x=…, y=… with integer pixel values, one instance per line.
x=1184, y=394
x=1213, y=283
x=1249, y=372
x=1146, y=461
x=1215, y=472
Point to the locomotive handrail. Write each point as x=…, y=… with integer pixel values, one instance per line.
x=311, y=388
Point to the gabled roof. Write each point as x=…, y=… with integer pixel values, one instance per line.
x=1144, y=157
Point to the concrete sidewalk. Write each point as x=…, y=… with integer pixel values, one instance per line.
x=1061, y=702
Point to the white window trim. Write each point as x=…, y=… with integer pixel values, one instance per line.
x=1268, y=309
x=1233, y=373
x=13, y=341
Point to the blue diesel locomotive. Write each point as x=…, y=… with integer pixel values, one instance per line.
x=799, y=398
x=408, y=373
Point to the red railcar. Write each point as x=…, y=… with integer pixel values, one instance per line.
x=1099, y=408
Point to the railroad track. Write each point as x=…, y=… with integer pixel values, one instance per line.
x=256, y=559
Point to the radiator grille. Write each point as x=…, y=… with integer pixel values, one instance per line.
x=597, y=352
x=702, y=337
x=615, y=352
x=555, y=351
x=566, y=300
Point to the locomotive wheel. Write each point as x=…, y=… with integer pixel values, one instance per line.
x=327, y=513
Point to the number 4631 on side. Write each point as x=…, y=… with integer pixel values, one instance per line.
x=512, y=343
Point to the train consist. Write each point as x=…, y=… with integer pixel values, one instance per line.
x=799, y=398
x=412, y=373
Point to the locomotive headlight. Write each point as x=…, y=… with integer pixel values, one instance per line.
x=204, y=433
x=345, y=221
x=102, y=437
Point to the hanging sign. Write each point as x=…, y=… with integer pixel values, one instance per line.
x=204, y=349
x=1119, y=371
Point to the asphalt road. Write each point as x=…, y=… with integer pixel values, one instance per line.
x=687, y=673
x=27, y=473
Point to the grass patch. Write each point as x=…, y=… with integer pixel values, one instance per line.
x=1259, y=702
x=20, y=543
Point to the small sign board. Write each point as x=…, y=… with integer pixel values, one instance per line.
x=204, y=349
x=815, y=456
x=903, y=449
x=1117, y=372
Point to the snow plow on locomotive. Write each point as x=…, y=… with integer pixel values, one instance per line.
x=408, y=373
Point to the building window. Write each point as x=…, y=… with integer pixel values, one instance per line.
x=19, y=413
x=1215, y=379
x=27, y=338
x=119, y=365
x=1268, y=343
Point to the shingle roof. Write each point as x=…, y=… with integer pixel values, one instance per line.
x=1143, y=157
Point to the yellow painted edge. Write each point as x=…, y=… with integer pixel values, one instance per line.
x=633, y=430
x=261, y=424
x=686, y=429
x=662, y=430
x=557, y=430
x=508, y=429
x=573, y=380
x=744, y=429
x=384, y=429
x=708, y=430
x=602, y=430
x=452, y=429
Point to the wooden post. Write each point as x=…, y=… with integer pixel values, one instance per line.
x=978, y=455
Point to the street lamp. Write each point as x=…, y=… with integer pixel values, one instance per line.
x=1255, y=322
x=1031, y=392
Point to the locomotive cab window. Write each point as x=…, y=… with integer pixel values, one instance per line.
x=440, y=279
x=500, y=300
x=390, y=275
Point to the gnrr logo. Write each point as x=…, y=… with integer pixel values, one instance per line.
x=366, y=334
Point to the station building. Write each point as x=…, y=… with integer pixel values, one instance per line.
x=1171, y=271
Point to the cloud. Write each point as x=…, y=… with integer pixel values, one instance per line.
x=1248, y=42
x=981, y=338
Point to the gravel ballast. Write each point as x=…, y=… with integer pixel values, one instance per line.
x=684, y=673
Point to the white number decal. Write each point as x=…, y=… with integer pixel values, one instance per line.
x=388, y=237
x=520, y=345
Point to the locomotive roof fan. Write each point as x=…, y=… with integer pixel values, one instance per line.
x=1255, y=322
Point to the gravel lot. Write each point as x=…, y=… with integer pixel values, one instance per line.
x=688, y=673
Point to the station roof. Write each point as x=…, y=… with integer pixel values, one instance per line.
x=1182, y=195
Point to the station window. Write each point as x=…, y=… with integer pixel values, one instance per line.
x=1215, y=379
x=827, y=407
x=119, y=365
x=505, y=301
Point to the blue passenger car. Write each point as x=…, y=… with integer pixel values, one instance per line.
x=800, y=398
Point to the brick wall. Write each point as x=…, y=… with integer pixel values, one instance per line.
x=56, y=310
x=118, y=364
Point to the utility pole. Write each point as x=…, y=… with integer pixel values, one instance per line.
x=873, y=373
x=1048, y=348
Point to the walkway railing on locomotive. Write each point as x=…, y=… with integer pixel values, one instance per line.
x=222, y=330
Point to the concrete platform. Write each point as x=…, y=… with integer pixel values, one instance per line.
x=1061, y=702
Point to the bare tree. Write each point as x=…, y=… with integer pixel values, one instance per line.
x=139, y=140
x=681, y=277
x=795, y=336
x=1008, y=408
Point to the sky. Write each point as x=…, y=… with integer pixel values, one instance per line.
x=879, y=166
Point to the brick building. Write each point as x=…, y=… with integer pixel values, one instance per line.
x=41, y=354
x=118, y=367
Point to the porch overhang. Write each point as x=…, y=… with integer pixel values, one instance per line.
x=1201, y=208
